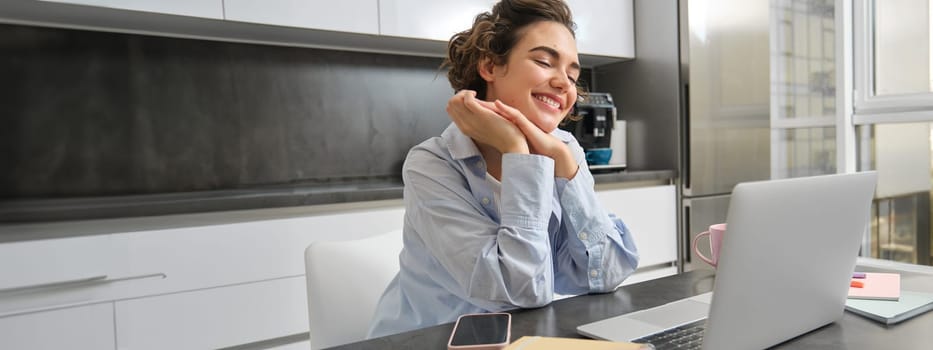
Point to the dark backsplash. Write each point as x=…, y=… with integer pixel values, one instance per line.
x=102, y=114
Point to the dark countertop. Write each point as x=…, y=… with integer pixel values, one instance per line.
x=560, y=318
x=292, y=195
x=633, y=176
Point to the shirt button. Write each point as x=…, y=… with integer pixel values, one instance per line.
x=594, y=273
x=582, y=236
x=485, y=201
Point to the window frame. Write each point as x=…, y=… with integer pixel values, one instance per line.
x=870, y=108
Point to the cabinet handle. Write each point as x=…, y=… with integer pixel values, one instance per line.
x=87, y=281
x=97, y=279
x=137, y=277
x=65, y=283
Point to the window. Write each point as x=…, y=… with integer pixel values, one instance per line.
x=900, y=219
x=893, y=114
x=803, y=88
x=893, y=61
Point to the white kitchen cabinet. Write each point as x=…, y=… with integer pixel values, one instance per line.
x=647, y=275
x=650, y=214
x=228, y=284
x=355, y=16
x=85, y=327
x=604, y=27
x=230, y=280
x=43, y=274
x=432, y=20
x=301, y=345
x=214, y=318
x=209, y=256
x=412, y=27
x=195, y=8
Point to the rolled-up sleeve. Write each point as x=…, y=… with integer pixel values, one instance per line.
x=599, y=252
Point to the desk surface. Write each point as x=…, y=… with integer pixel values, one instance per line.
x=562, y=317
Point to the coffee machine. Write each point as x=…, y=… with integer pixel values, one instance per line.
x=600, y=132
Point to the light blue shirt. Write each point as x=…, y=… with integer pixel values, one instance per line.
x=463, y=255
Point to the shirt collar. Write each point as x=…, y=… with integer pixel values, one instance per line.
x=460, y=146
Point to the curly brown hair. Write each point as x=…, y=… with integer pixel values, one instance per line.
x=494, y=34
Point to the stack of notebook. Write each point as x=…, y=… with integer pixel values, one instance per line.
x=878, y=296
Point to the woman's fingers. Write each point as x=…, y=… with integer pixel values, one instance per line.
x=465, y=102
x=519, y=119
x=540, y=141
x=481, y=121
x=462, y=111
x=488, y=105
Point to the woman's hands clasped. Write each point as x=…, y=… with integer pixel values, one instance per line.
x=478, y=120
x=508, y=130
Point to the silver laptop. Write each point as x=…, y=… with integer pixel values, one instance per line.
x=784, y=268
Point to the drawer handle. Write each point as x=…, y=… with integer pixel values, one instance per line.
x=87, y=281
x=97, y=279
x=65, y=283
x=160, y=275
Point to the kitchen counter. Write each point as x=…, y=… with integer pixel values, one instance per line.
x=634, y=176
x=239, y=202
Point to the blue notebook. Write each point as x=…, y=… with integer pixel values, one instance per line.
x=889, y=312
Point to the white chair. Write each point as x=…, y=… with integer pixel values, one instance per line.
x=345, y=281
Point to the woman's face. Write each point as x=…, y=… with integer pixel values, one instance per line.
x=540, y=74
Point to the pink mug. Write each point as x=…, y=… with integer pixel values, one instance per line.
x=715, y=234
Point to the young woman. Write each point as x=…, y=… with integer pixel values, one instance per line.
x=500, y=210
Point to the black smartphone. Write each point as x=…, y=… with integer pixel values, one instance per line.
x=481, y=331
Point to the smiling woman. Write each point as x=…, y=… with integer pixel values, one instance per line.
x=500, y=210
x=539, y=78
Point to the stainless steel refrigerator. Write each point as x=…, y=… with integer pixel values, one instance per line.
x=725, y=94
x=726, y=91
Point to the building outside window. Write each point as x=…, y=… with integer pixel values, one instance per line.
x=893, y=113
x=803, y=88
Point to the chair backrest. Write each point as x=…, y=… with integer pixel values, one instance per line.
x=345, y=280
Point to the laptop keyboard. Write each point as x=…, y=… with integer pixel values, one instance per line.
x=686, y=336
